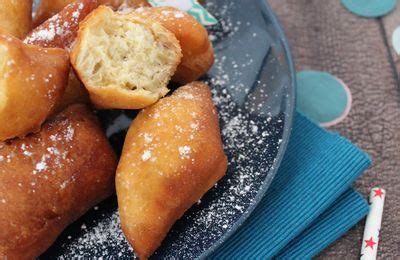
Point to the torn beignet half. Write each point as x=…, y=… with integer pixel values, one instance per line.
x=32, y=82
x=124, y=61
x=172, y=156
x=16, y=17
x=197, y=50
x=50, y=179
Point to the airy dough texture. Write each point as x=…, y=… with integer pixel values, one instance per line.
x=32, y=81
x=124, y=61
x=172, y=156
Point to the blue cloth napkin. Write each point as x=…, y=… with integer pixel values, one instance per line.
x=310, y=203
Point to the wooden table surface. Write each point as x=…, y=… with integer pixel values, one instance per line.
x=323, y=35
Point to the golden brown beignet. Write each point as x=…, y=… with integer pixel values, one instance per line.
x=123, y=60
x=51, y=178
x=197, y=50
x=172, y=156
x=126, y=3
x=16, y=17
x=75, y=93
x=61, y=31
x=48, y=8
x=32, y=82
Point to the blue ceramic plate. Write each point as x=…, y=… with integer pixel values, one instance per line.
x=253, y=87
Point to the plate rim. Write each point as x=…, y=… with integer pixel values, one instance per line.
x=266, y=9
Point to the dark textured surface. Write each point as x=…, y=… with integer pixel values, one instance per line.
x=325, y=36
x=391, y=22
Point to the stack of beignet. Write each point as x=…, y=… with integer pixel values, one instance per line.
x=55, y=166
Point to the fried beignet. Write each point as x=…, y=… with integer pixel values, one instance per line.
x=197, y=50
x=123, y=60
x=172, y=156
x=125, y=3
x=75, y=93
x=51, y=178
x=16, y=17
x=32, y=82
x=48, y=8
x=61, y=31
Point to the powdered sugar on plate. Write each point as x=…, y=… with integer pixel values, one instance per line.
x=98, y=236
x=252, y=122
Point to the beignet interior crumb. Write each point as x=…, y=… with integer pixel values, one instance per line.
x=127, y=53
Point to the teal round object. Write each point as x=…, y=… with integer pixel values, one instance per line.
x=370, y=8
x=322, y=97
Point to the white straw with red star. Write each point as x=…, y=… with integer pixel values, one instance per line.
x=369, y=248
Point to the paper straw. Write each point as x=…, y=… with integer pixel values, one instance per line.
x=369, y=248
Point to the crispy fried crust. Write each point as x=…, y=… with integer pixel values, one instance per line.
x=48, y=8
x=197, y=50
x=127, y=3
x=75, y=93
x=61, y=31
x=16, y=17
x=124, y=61
x=32, y=81
x=49, y=179
x=172, y=156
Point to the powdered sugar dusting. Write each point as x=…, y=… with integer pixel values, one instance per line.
x=97, y=238
x=146, y=155
x=62, y=28
x=251, y=125
x=70, y=133
x=44, y=155
x=47, y=34
x=148, y=138
x=184, y=152
x=41, y=166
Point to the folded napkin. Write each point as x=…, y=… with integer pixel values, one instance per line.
x=310, y=203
